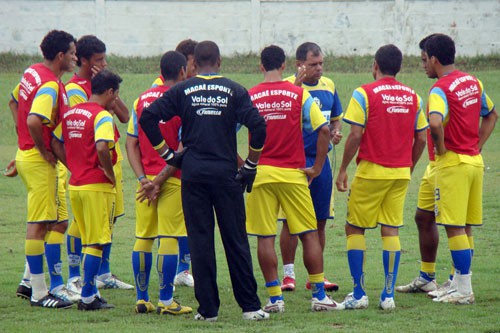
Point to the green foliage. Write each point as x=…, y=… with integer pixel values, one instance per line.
x=414, y=313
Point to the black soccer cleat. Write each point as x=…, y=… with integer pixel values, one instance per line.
x=51, y=302
x=97, y=304
x=24, y=291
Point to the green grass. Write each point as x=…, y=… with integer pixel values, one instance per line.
x=414, y=313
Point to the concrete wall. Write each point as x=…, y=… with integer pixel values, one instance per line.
x=149, y=27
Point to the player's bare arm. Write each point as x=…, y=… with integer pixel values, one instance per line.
x=336, y=131
x=35, y=126
x=437, y=132
x=419, y=141
x=487, y=126
x=105, y=160
x=59, y=151
x=351, y=147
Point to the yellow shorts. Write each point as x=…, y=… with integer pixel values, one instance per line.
x=426, y=191
x=40, y=179
x=163, y=218
x=119, y=204
x=94, y=211
x=62, y=186
x=264, y=202
x=459, y=195
x=376, y=201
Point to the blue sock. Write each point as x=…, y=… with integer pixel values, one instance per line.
x=54, y=264
x=91, y=264
x=141, y=264
x=356, y=259
x=391, y=265
x=106, y=252
x=74, y=250
x=35, y=263
x=166, y=265
x=318, y=290
x=462, y=260
x=184, y=255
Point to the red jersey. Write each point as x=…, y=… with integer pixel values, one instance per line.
x=391, y=123
x=151, y=161
x=458, y=97
x=81, y=132
x=33, y=78
x=280, y=104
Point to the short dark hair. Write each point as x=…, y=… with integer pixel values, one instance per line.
x=105, y=80
x=186, y=47
x=389, y=59
x=305, y=48
x=206, y=53
x=56, y=41
x=272, y=57
x=171, y=64
x=424, y=40
x=442, y=47
x=87, y=46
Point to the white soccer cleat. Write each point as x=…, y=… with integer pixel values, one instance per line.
x=350, y=303
x=75, y=285
x=442, y=290
x=256, y=315
x=387, y=304
x=418, y=285
x=184, y=279
x=201, y=318
x=65, y=294
x=113, y=282
x=326, y=304
x=276, y=307
x=454, y=297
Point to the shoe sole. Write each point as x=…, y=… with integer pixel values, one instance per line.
x=23, y=296
x=287, y=288
x=332, y=288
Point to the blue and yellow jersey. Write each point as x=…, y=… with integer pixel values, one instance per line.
x=326, y=97
x=15, y=93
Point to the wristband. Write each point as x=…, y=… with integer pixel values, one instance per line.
x=249, y=164
x=168, y=154
x=141, y=177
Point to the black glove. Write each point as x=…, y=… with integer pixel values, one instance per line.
x=174, y=158
x=246, y=175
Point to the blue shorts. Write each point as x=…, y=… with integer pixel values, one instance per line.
x=321, y=190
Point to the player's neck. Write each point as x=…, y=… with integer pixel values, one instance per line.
x=273, y=76
x=84, y=74
x=445, y=70
x=54, y=68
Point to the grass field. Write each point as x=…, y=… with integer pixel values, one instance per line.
x=414, y=313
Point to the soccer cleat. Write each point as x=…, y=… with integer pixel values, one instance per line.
x=418, y=285
x=329, y=286
x=24, y=290
x=288, y=284
x=442, y=290
x=276, y=307
x=201, y=318
x=51, y=302
x=64, y=293
x=144, y=307
x=113, y=282
x=75, y=285
x=97, y=304
x=387, y=304
x=455, y=297
x=173, y=309
x=256, y=315
x=184, y=279
x=326, y=304
x=350, y=303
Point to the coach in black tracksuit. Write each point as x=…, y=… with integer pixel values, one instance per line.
x=210, y=107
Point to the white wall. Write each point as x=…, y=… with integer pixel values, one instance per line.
x=149, y=27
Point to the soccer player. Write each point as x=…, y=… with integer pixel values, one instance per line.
x=84, y=141
x=186, y=47
x=428, y=234
x=388, y=128
x=282, y=177
x=210, y=107
x=42, y=99
x=163, y=219
x=183, y=277
x=457, y=102
x=91, y=53
x=309, y=62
